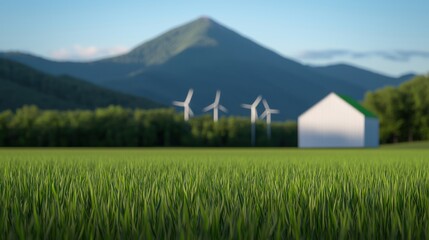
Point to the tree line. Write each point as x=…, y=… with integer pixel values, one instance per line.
x=403, y=111
x=116, y=126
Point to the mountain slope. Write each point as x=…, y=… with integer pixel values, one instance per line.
x=207, y=56
x=170, y=44
x=91, y=71
x=361, y=77
x=23, y=85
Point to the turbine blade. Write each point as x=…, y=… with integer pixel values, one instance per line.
x=217, y=97
x=189, y=96
x=248, y=106
x=266, y=104
x=256, y=102
x=274, y=111
x=191, y=113
x=223, y=109
x=179, y=104
x=211, y=106
x=264, y=114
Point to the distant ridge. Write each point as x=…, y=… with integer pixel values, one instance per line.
x=360, y=77
x=207, y=56
x=21, y=85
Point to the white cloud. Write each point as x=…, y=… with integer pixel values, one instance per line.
x=396, y=55
x=78, y=52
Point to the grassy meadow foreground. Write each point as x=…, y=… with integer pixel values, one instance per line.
x=214, y=193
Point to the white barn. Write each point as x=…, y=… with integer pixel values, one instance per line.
x=337, y=121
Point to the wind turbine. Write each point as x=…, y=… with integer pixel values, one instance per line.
x=253, y=116
x=185, y=104
x=216, y=107
x=267, y=114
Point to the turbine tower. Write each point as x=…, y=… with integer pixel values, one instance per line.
x=216, y=107
x=185, y=104
x=253, y=117
x=267, y=115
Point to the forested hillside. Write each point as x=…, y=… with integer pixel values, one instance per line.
x=21, y=85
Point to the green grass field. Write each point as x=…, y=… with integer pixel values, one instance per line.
x=409, y=145
x=214, y=193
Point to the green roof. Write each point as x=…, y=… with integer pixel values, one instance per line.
x=357, y=106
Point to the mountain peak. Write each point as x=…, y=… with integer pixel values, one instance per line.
x=206, y=20
x=162, y=48
x=203, y=22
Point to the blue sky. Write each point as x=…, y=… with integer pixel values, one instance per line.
x=390, y=37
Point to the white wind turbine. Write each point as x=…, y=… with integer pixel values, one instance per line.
x=216, y=107
x=267, y=114
x=185, y=104
x=253, y=116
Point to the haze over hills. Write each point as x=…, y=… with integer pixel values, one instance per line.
x=360, y=77
x=21, y=85
x=207, y=56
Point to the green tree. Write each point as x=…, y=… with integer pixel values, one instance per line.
x=403, y=111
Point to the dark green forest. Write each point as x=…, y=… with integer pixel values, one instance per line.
x=403, y=111
x=120, y=127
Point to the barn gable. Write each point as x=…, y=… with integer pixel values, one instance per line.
x=334, y=100
x=357, y=106
x=337, y=121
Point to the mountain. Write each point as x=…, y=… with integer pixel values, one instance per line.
x=170, y=44
x=22, y=85
x=406, y=77
x=207, y=56
x=361, y=77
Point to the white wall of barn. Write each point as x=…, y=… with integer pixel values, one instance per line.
x=331, y=123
